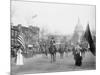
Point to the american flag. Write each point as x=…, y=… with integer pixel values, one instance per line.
x=21, y=40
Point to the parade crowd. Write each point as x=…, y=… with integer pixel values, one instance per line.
x=51, y=47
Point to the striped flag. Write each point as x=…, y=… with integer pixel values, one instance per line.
x=20, y=39
x=89, y=39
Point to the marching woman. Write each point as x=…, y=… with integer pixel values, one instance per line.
x=19, y=60
x=78, y=56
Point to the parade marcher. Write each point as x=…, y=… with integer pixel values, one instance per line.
x=15, y=54
x=61, y=50
x=19, y=60
x=52, y=42
x=52, y=50
x=78, y=56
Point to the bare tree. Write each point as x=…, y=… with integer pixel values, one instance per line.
x=30, y=18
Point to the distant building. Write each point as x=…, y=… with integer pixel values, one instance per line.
x=14, y=35
x=31, y=34
x=78, y=32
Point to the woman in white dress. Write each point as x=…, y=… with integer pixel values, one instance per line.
x=19, y=57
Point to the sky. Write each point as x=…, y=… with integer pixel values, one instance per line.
x=53, y=18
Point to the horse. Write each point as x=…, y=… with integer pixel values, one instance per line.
x=52, y=51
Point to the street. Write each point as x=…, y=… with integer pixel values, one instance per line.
x=42, y=64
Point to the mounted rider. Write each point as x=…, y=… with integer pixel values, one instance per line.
x=52, y=50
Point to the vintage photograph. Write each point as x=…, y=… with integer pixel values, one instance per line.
x=52, y=37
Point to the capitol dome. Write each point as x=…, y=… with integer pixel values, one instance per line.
x=78, y=27
x=78, y=32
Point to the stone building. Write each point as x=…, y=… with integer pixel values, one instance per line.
x=78, y=33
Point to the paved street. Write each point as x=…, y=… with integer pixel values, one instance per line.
x=41, y=63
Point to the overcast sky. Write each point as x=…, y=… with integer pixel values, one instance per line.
x=59, y=18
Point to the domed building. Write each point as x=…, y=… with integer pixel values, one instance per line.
x=78, y=32
x=78, y=28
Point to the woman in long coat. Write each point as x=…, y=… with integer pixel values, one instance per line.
x=78, y=56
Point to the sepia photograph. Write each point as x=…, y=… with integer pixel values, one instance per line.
x=51, y=37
